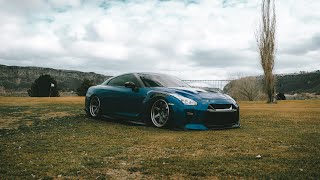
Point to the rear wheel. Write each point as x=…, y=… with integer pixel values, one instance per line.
x=94, y=107
x=160, y=113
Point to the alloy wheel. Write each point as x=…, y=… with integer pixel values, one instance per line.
x=160, y=113
x=94, y=106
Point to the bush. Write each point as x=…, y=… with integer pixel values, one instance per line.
x=44, y=86
x=82, y=90
x=281, y=96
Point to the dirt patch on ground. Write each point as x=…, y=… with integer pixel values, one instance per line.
x=27, y=117
x=49, y=115
x=122, y=174
x=6, y=122
x=13, y=122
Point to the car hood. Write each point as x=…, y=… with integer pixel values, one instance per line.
x=194, y=93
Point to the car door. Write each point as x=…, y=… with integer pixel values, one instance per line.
x=126, y=102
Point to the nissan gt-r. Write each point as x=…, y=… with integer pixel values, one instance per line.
x=161, y=101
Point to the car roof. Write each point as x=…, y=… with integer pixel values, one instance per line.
x=149, y=73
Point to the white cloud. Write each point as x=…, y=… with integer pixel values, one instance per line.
x=112, y=51
x=64, y=3
x=203, y=39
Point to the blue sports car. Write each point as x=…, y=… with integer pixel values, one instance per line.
x=162, y=101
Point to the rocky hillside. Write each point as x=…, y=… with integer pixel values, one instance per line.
x=303, y=82
x=15, y=78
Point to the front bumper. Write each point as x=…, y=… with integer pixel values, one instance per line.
x=201, y=118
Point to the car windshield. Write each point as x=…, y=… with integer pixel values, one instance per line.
x=161, y=81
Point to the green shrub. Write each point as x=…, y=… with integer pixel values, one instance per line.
x=44, y=86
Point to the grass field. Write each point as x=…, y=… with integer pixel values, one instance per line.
x=51, y=138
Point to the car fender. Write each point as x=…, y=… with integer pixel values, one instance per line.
x=153, y=94
x=176, y=107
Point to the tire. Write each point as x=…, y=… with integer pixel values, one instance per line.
x=94, y=107
x=160, y=113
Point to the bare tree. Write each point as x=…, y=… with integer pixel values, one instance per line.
x=266, y=43
x=247, y=88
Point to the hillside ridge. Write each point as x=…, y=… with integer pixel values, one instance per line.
x=19, y=78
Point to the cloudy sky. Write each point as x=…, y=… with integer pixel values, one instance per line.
x=191, y=39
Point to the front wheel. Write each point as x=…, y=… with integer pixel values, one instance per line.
x=160, y=113
x=94, y=107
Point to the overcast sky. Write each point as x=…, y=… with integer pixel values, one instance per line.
x=191, y=39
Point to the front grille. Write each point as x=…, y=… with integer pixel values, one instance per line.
x=221, y=108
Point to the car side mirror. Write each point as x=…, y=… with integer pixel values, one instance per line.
x=130, y=85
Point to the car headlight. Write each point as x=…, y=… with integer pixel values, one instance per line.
x=234, y=102
x=184, y=100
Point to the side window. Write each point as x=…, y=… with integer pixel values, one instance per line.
x=119, y=81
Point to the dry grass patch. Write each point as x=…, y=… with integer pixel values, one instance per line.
x=17, y=111
x=62, y=142
x=30, y=101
